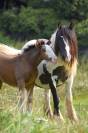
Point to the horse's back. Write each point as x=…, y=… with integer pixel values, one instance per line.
x=6, y=50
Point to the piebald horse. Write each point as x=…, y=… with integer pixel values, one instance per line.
x=19, y=68
x=64, y=43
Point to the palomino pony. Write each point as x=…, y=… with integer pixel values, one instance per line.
x=64, y=43
x=19, y=68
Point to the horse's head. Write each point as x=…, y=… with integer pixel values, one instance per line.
x=65, y=42
x=46, y=51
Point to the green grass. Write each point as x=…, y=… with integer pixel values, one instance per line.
x=12, y=121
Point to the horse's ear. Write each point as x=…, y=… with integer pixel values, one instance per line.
x=48, y=42
x=71, y=26
x=42, y=42
x=59, y=25
x=39, y=43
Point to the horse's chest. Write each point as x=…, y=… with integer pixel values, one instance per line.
x=30, y=76
x=48, y=72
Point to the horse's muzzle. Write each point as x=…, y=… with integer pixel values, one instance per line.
x=53, y=60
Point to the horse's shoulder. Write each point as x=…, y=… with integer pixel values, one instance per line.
x=50, y=67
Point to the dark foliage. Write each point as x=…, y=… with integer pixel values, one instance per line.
x=25, y=19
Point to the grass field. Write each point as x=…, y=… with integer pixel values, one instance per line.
x=11, y=121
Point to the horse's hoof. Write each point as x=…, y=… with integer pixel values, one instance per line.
x=75, y=120
x=73, y=117
x=59, y=119
x=49, y=113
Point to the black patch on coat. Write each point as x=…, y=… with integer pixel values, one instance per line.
x=46, y=76
x=30, y=47
x=59, y=71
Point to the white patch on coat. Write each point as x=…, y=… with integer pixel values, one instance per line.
x=54, y=80
x=67, y=48
x=50, y=53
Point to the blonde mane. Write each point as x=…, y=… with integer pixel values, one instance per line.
x=8, y=50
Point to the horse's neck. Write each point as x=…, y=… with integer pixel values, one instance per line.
x=33, y=57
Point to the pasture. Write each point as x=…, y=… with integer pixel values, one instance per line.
x=23, y=20
x=11, y=121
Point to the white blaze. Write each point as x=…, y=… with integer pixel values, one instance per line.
x=67, y=49
x=50, y=53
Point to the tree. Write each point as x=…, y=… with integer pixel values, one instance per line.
x=9, y=4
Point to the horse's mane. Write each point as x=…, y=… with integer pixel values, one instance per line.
x=73, y=41
x=71, y=36
x=69, y=33
x=8, y=50
x=32, y=44
x=30, y=47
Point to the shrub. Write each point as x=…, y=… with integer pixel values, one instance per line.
x=82, y=32
x=29, y=23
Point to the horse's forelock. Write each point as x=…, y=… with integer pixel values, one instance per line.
x=66, y=32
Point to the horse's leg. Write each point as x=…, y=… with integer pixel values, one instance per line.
x=23, y=96
x=30, y=99
x=21, y=85
x=47, y=106
x=56, y=101
x=0, y=84
x=55, y=98
x=23, y=100
x=69, y=99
